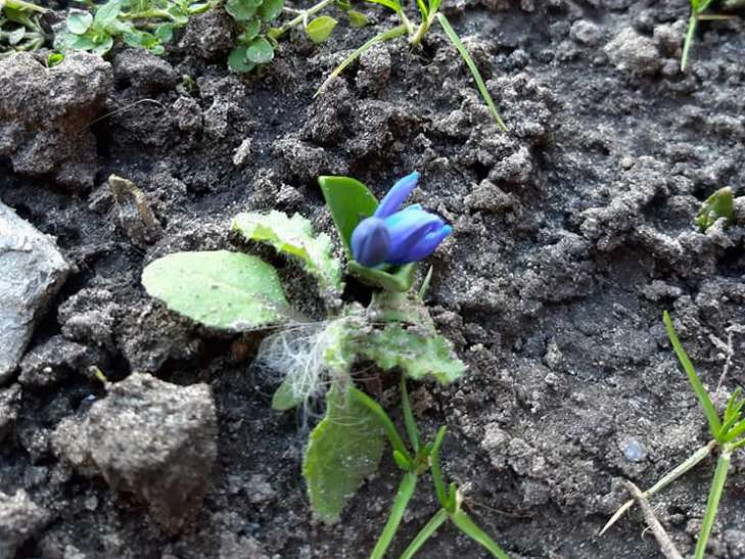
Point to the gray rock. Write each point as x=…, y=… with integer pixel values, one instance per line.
x=20, y=519
x=144, y=71
x=49, y=363
x=10, y=399
x=633, y=53
x=585, y=32
x=45, y=115
x=150, y=438
x=32, y=270
x=209, y=36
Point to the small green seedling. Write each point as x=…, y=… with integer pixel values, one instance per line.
x=728, y=434
x=257, y=40
x=20, y=26
x=147, y=24
x=718, y=205
x=429, y=12
x=237, y=292
x=698, y=9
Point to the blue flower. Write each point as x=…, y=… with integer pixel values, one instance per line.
x=398, y=237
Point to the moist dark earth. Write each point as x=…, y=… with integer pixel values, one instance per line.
x=573, y=232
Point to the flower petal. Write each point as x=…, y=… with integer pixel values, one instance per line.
x=396, y=195
x=427, y=245
x=370, y=242
x=406, y=230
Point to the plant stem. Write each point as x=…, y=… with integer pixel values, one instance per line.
x=403, y=496
x=442, y=495
x=712, y=505
x=425, y=533
x=667, y=547
x=397, y=31
x=22, y=6
x=421, y=31
x=396, y=441
x=666, y=480
x=303, y=16
x=692, y=24
x=411, y=427
x=471, y=529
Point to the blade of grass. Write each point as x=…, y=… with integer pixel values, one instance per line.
x=425, y=533
x=396, y=441
x=666, y=480
x=397, y=31
x=471, y=529
x=437, y=471
x=712, y=505
x=715, y=425
x=403, y=496
x=411, y=428
x=692, y=25
x=464, y=54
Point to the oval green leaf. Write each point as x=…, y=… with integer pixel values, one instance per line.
x=357, y=19
x=79, y=21
x=260, y=51
x=241, y=10
x=227, y=290
x=320, y=28
x=270, y=9
x=349, y=201
x=237, y=61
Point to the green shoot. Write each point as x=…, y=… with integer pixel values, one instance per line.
x=715, y=426
x=390, y=429
x=712, y=505
x=437, y=472
x=425, y=533
x=698, y=7
x=411, y=427
x=20, y=26
x=718, y=205
x=471, y=529
x=403, y=496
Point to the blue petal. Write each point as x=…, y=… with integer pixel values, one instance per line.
x=370, y=242
x=408, y=229
x=427, y=245
x=396, y=195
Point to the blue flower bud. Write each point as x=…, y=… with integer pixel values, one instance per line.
x=370, y=242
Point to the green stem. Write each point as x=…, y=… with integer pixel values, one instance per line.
x=147, y=14
x=421, y=31
x=390, y=429
x=411, y=427
x=472, y=530
x=437, y=471
x=692, y=24
x=712, y=506
x=425, y=533
x=465, y=55
x=23, y=6
x=666, y=480
x=397, y=31
x=403, y=496
x=304, y=14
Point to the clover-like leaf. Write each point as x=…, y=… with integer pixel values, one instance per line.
x=271, y=9
x=294, y=236
x=344, y=449
x=319, y=29
x=220, y=289
x=79, y=21
x=242, y=10
x=237, y=61
x=718, y=205
x=419, y=352
x=260, y=51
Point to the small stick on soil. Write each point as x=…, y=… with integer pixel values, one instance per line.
x=667, y=547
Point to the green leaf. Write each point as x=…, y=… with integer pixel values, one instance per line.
x=237, y=61
x=55, y=58
x=425, y=533
x=164, y=32
x=320, y=28
x=418, y=352
x=343, y=5
x=400, y=503
x=718, y=205
x=16, y=36
x=241, y=10
x=349, y=202
x=357, y=19
x=250, y=32
x=712, y=503
x=285, y=397
x=271, y=9
x=105, y=45
x=294, y=236
x=220, y=289
x=344, y=449
x=715, y=425
x=79, y=21
x=391, y=4
x=469, y=527
x=464, y=54
x=399, y=279
x=260, y=51
x=107, y=14
x=434, y=5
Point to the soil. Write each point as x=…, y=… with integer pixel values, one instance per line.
x=573, y=232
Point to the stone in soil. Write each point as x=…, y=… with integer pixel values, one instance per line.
x=20, y=519
x=45, y=115
x=150, y=438
x=33, y=270
x=10, y=400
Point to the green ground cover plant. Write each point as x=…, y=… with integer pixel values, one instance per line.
x=20, y=26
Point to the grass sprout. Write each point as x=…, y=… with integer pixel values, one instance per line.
x=698, y=9
x=728, y=434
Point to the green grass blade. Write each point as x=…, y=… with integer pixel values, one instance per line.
x=442, y=495
x=460, y=47
x=403, y=496
x=397, y=31
x=390, y=430
x=425, y=533
x=712, y=505
x=715, y=425
x=469, y=528
x=688, y=42
x=411, y=428
x=735, y=431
